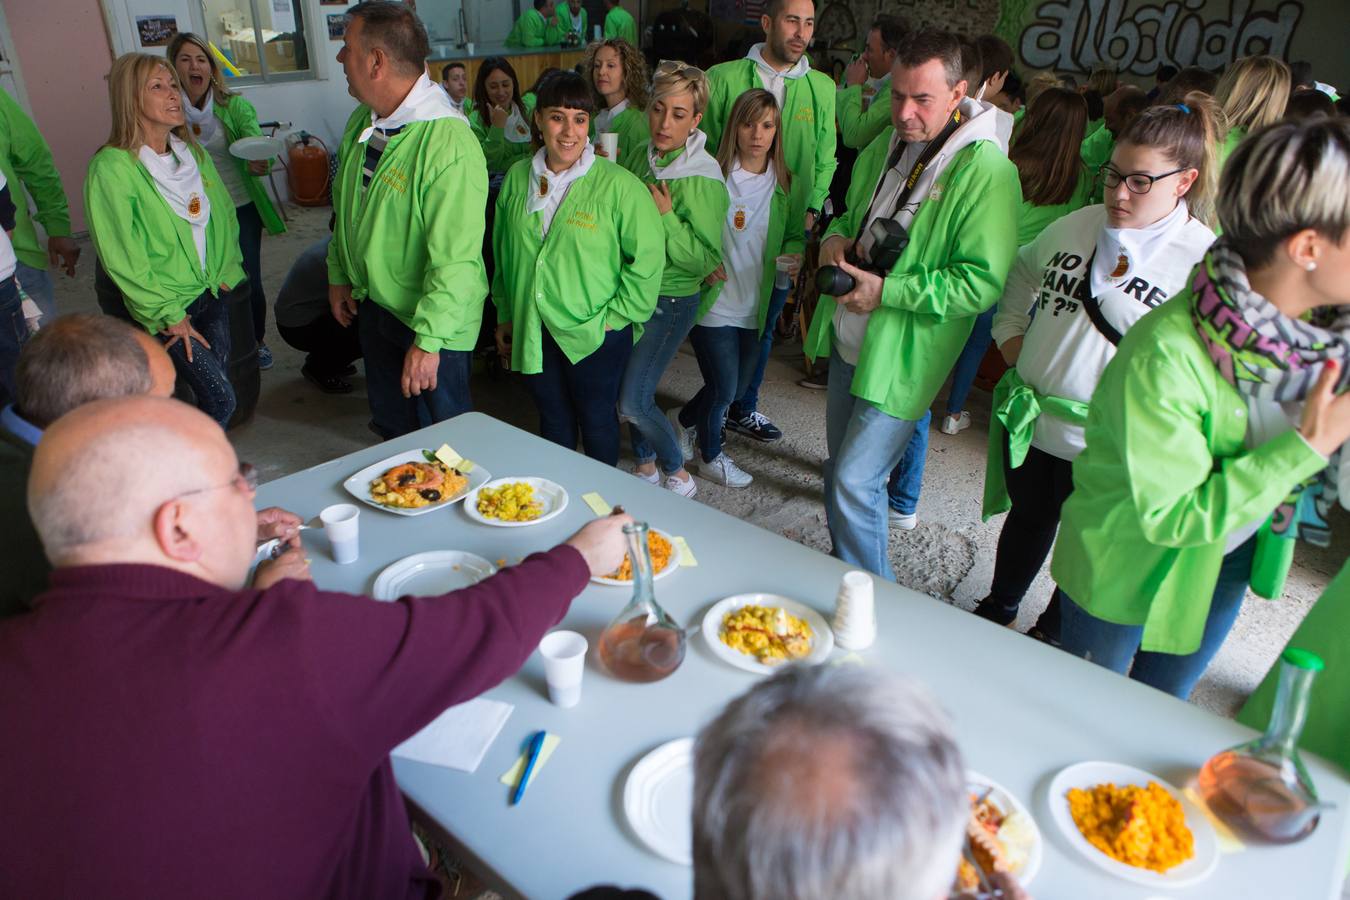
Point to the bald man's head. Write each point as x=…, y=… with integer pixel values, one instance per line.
x=162, y=375
x=142, y=479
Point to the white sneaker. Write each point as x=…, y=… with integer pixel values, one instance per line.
x=684, y=435
x=685, y=487
x=653, y=478
x=903, y=521
x=723, y=471
x=955, y=424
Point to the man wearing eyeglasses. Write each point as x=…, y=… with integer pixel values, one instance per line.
x=168, y=727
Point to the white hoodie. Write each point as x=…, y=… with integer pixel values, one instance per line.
x=1063, y=353
x=775, y=82
x=977, y=125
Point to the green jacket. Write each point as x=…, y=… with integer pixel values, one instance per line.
x=961, y=247
x=500, y=153
x=634, y=135
x=533, y=30
x=1032, y=219
x=25, y=159
x=241, y=120
x=1096, y=149
x=413, y=241
x=147, y=248
x=562, y=20
x=599, y=266
x=1164, y=480
x=1327, y=730
x=778, y=241
x=858, y=127
x=1231, y=140
x=808, y=127
x=692, y=228
x=619, y=23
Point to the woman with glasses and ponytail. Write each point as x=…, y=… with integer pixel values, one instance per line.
x=1217, y=436
x=1071, y=295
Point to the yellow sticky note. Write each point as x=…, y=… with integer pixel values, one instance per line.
x=597, y=504
x=686, y=555
x=1228, y=841
x=511, y=776
x=851, y=659
x=451, y=458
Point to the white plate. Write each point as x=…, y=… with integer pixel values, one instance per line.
x=431, y=574
x=553, y=496
x=358, y=485
x=822, y=641
x=671, y=565
x=1088, y=774
x=257, y=147
x=658, y=800
x=1005, y=800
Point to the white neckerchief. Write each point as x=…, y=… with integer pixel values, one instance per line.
x=517, y=129
x=874, y=89
x=606, y=116
x=425, y=102
x=181, y=187
x=695, y=160
x=775, y=82
x=1123, y=252
x=576, y=19
x=202, y=121
x=547, y=189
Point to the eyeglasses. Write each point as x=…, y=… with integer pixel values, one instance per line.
x=1135, y=182
x=245, y=480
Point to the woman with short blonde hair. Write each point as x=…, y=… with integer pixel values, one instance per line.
x=1252, y=94
x=165, y=229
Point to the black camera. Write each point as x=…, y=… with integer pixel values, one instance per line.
x=889, y=240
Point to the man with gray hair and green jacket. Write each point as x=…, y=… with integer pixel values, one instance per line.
x=927, y=240
x=409, y=201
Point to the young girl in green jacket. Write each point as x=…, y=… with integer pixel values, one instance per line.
x=217, y=118
x=687, y=187
x=579, y=242
x=500, y=118
x=1216, y=435
x=618, y=79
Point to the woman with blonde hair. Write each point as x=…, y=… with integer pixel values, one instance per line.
x=1252, y=93
x=739, y=294
x=164, y=227
x=617, y=74
x=1216, y=435
x=217, y=118
x=690, y=193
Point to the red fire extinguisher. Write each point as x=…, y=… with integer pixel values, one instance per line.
x=307, y=169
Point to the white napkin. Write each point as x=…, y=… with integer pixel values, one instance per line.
x=458, y=738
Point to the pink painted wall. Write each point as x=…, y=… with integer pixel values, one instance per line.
x=64, y=55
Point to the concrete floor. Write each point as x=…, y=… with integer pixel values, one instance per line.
x=949, y=556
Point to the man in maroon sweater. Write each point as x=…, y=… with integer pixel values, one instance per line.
x=169, y=733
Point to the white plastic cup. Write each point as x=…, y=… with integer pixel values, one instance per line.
x=785, y=266
x=564, y=654
x=855, y=623
x=609, y=141
x=341, y=524
x=468, y=48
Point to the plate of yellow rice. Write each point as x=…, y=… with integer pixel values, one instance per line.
x=515, y=501
x=763, y=632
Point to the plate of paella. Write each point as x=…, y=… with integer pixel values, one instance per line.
x=516, y=501
x=665, y=555
x=763, y=632
x=413, y=482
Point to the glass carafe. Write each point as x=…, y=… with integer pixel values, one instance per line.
x=642, y=643
x=1261, y=788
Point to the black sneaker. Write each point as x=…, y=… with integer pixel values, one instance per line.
x=326, y=382
x=756, y=426
x=995, y=612
x=817, y=381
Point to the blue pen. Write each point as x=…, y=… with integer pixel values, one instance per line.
x=536, y=744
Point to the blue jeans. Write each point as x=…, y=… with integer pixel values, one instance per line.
x=37, y=284
x=652, y=435
x=580, y=397
x=749, y=400
x=1116, y=646
x=384, y=344
x=968, y=363
x=902, y=489
x=208, y=374
x=13, y=335
x=864, y=445
x=250, y=245
x=727, y=357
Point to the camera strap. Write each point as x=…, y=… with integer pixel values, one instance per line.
x=926, y=157
x=1094, y=309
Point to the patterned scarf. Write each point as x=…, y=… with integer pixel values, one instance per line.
x=1270, y=357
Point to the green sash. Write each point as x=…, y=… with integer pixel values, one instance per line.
x=1016, y=408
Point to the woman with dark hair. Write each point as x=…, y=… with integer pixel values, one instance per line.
x=568, y=315
x=218, y=117
x=1090, y=277
x=499, y=117
x=1216, y=436
x=617, y=74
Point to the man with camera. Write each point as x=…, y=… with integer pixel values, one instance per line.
x=924, y=246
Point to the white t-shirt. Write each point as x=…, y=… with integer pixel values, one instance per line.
x=1063, y=353
x=743, y=236
x=227, y=166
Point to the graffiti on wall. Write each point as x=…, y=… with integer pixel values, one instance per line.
x=1079, y=35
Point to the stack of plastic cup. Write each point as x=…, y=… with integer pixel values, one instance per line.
x=855, y=619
